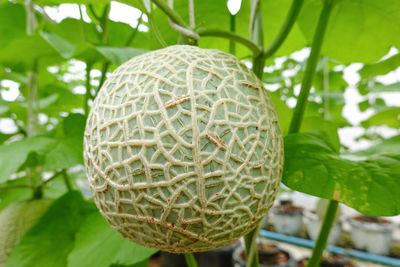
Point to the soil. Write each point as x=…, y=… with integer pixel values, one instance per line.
x=269, y=255
x=369, y=219
x=288, y=208
x=332, y=261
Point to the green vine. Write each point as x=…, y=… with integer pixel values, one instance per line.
x=311, y=67
x=285, y=29
x=190, y=260
x=298, y=116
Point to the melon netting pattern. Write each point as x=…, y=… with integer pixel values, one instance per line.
x=183, y=149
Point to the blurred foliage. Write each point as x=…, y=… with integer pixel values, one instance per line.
x=68, y=61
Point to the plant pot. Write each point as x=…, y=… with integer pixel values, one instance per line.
x=213, y=258
x=372, y=234
x=269, y=256
x=313, y=225
x=287, y=218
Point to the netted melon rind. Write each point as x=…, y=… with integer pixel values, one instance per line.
x=183, y=149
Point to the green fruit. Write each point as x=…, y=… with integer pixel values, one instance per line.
x=15, y=220
x=183, y=149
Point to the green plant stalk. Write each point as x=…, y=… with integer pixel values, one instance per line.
x=298, y=116
x=190, y=260
x=88, y=87
x=231, y=36
x=323, y=235
x=326, y=88
x=66, y=180
x=104, y=40
x=257, y=36
x=311, y=66
x=82, y=23
x=285, y=28
x=170, y=13
x=256, y=23
x=232, y=28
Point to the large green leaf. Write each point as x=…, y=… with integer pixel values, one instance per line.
x=12, y=23
x=358, y=31
x=118, y=55
x=50, y=240
x=14, y=155
x=370, y=185
x=22, y=53
x=99, y=245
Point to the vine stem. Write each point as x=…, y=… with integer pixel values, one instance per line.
x=232, y=28
x=311, y=66
x=191, y=14
x=190, y=260
x=66, y=180
x=88, y=93
x=231, y=36
x=170, y=13
x=323, y=235
x=298, y=116
x=257, y=36
x=285, y=28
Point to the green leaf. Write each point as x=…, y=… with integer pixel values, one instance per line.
x=98, y=244
x=379, y=87
x=370, y=185
x=316, y=123
x=68, y=149
x=15, y=154
x=380, y=68
x=389, y=117
x=50, y=240
x=358, y=31
x=14, y=192
x=118, y=55
x=387, y=146
x=16, y=220
x=12, y=23
x=64, y=48
x=23, y=52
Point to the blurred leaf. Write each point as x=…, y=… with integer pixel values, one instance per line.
x=389, y=117
x=15, y=154
x=284, y=112
x=380, y=68
x=379, y=87
x=68, y=150
x=354, y=28
x=387, y=146
x=12, y=23
x=98, y=244
x=15, y=191
x=50, y=240
x=22, y=53
x=4, y=137
x=119, y=55
x=370, y=185
x=64, y=48
x=134, y=3
x=16, y=220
